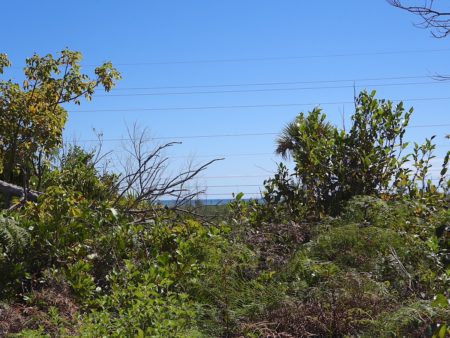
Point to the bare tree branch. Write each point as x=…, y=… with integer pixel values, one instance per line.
x=440, y=77
x=145, y=179
x=436, y=20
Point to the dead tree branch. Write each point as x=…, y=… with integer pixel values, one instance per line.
x=145, y=179
x=436, y=20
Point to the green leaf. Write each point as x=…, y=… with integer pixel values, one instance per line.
x=440, y=301
x=140, y=333
x=443, y=331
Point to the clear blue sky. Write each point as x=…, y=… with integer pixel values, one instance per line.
x=158, y=44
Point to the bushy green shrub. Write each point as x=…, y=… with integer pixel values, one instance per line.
x=141, y=303
x=77, y=171
x=333, y=165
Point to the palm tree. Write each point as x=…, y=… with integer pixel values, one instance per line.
x=288, y=140
x=304, y=133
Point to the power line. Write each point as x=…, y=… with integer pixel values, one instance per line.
x=246, y=106
x=254, y=154
x=265, y=154
x=176, y=137
x=230, y=193
x=434, y=170
x=262, y=185
x=245, y=193
x=272, y=89
x=275, y=83
x=246, y=176
x=226, y=135
x=233, y=185
x=277, y=58
x=226, y=155
x=232, y=176
x=206, y=107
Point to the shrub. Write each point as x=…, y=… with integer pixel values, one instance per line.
x=141, y=303
x=344, y=305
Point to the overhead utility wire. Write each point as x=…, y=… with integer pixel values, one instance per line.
x=277, y=83
x=226, y=155
x=230, y=193
x=261, y=185
x=245, y=106
x=273, y=89
x=241, y=176
x=262, y=154
x=232, y=176
x=233, y=185
x=273, y=58
x=176, y=137
x=252, y=185
x=277, y=58
x=226, y=135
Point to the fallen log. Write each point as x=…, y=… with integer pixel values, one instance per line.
x=15, y=190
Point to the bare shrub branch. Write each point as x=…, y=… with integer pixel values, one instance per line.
x=145, y=179
x=436, y=20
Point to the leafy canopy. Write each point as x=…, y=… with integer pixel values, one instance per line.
x=32, y=116
x=332, y=165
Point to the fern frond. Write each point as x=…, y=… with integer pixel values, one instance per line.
x=13, y=237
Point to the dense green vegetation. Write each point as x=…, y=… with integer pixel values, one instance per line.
x=354, y=241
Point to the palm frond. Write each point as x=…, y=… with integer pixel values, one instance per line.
x=287, y=141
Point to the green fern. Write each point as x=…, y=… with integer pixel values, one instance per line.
x=414, y=319
x=13, y=237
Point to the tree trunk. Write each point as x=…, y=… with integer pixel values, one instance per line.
x=12, y=189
